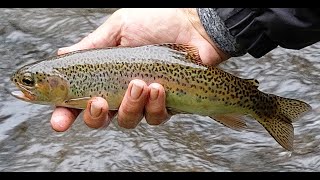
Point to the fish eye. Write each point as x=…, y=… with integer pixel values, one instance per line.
x=27, y=80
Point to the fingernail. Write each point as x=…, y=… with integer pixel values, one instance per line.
x=136, y=90
x=154, y=93
x=62, y=50
x=95, y=110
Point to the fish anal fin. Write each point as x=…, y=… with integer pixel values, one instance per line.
x=192, y=52
x=233, y=121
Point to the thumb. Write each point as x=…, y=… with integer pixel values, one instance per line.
x=93, y=40
x=209, y=53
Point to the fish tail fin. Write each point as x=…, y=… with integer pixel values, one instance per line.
x=278, y=122
x=292, y=108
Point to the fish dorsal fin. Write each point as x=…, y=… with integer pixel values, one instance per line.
x=192, y=52
x=233, y=121
x=253, y=82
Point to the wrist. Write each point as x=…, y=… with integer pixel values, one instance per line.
x=193, y=17
x=219, y=32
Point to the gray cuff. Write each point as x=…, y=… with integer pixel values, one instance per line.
x=218, y=32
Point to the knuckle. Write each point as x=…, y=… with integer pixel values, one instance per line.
x=94, y=122
x=156, y=109
x=157, y=113
x=131, y=107
x=92, y=41
x=127, y=123
x=130, y=110
x=156, y=118
x=129, y=118
x=155, y=122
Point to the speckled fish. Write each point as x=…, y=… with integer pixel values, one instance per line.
x=71, y=79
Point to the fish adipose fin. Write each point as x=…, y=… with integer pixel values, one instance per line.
x=253, y=82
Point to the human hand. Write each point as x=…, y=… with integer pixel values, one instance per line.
x=136, y=27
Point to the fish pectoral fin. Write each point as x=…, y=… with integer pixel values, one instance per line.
x=80, y=103
x=233, y=121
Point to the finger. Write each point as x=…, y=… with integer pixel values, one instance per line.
x=106, y=35
x=131, y=109
x=96, y=114
x=156, y=112
x=62, y=118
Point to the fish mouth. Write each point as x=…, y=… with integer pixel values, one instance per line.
x=25, y=94
x=20, y=95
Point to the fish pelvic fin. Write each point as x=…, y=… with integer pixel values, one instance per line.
x=279, y=123
x=174, y=111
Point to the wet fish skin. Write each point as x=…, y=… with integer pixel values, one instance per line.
x=71, y=79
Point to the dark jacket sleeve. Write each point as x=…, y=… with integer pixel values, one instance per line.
x=259, y=30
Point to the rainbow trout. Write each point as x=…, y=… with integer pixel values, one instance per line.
x=70, y=80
